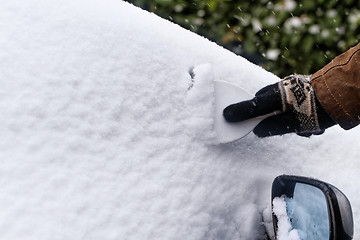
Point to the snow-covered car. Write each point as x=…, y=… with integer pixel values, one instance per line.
x=107, y=131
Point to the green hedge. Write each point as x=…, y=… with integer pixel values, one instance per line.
x=284, y=36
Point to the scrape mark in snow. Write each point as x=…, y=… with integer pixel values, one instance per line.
x=199, y=110
x=192, y=75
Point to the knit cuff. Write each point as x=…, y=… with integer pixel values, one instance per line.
x=298, y=96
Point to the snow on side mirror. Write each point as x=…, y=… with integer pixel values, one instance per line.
x=305, y=208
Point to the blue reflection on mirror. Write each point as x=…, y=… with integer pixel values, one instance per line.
x=307, y=212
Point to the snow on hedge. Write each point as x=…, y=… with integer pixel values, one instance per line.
x=106, y=131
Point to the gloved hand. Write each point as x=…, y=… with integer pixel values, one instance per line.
x=294, y=100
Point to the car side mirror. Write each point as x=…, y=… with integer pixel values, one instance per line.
x=305, y=208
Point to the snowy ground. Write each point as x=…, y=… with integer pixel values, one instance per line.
x=105, y=134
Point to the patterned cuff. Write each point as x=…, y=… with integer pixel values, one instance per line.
x=297, y=95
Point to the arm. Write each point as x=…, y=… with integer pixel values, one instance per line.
x=308, y=104
x=337, y=87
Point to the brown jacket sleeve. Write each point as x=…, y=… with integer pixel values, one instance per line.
x=337, y=87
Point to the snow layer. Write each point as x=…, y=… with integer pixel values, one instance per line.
x=106, y=132
x=285, y=231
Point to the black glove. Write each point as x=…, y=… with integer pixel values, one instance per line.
x=294, y=98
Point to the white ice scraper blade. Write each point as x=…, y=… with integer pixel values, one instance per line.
x=226, y=94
